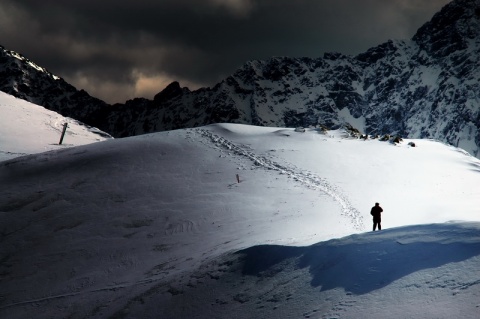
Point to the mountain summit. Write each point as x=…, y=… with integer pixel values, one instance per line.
x=451, y=29
x=425, y=87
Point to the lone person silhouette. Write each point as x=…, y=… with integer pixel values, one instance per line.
x=376, y=212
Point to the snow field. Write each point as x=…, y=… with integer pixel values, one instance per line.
x=158, y=226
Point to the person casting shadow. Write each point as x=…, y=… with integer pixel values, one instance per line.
x=376, y=212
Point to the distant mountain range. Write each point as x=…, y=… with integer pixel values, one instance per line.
x=426, y=87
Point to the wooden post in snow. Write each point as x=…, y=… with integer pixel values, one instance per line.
x=238, y=179
x=63, y=133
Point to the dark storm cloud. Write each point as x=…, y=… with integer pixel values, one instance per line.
x=123, y=49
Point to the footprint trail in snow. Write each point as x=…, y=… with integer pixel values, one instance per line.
x=308, y=179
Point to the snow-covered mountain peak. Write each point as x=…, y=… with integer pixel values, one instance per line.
x=451, y=29
x=426, y=87
x=24, y=62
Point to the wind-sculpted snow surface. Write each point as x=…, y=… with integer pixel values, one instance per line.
x=308, y=179
x=422, y=272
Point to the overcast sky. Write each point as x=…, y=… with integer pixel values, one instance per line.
x=120, y=49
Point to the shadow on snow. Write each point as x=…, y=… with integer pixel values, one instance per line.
x=366, y=262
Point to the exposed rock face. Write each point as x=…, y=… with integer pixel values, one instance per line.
x=426, y=87
x=24, y=79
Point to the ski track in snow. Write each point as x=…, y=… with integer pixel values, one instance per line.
x=304, y=177
x=73, y=294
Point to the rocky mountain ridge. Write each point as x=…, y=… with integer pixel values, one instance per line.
x=26, y=80
x=426, y=87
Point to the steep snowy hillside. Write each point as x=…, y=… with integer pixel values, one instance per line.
x=26, y=128
x=240, y=221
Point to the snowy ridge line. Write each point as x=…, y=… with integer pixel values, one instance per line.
x=310, y=180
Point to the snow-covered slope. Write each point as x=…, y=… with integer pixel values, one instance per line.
x=158, y=226
x=26, y=128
